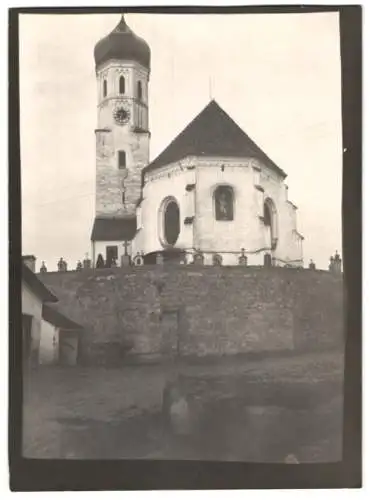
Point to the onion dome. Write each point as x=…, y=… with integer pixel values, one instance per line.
x=122, y=43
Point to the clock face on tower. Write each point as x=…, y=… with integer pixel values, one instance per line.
x=121, y=114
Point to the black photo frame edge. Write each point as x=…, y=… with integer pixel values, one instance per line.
x=97, y=475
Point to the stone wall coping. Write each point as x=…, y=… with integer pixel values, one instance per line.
x=189, y=268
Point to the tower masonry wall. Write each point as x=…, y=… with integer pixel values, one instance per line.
x=118, y=187
x=214, y=311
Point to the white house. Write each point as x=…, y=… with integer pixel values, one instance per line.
x=59, y=339
x=34, y=295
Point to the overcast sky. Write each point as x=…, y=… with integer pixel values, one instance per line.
x=278, y=77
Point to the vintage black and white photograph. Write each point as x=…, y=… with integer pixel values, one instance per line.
x=182, y=279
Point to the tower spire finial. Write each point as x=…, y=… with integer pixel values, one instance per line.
x=121, y=26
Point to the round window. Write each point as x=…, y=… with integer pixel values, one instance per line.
x=171, y=222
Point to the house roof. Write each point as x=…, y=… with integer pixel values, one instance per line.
x=212, y=133
x=58, y=319
x=26, y=257
x=105, y=229
x=36, y=285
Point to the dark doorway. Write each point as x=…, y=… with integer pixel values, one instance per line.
x=111, y=255
x=26, y=337
x=170, y=333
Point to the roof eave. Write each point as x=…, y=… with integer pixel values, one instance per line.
x=36, y=286
x=155, y=165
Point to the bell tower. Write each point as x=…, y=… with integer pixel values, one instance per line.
x=122, y=137
x=122, y=64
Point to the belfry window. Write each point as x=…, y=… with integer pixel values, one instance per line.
x=105, y=88
x=122, y=85
x=121, y=159
x=139, y=90
x=224, y=203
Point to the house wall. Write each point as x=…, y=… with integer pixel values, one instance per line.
x=32, y=305
x=49, y=343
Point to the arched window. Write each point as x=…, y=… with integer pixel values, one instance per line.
x=224, y=203
x=122, y=84
x=270, y=221
x=105, y=87
x=170, y=223
x=139, y=90
x=267, y=215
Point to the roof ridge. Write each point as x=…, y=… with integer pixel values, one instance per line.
x=212, y=132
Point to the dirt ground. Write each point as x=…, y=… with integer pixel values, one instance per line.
x=259, y=410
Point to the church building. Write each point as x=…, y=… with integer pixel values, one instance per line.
x=212, y=197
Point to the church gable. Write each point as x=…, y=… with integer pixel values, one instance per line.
x=212, y=133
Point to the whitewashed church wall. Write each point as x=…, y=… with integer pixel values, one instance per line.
x=165, y=183
x=32, y=305
x=289, y=247
x=205, y=233
x=244, y=231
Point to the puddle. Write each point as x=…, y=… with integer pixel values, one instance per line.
x=226, y=431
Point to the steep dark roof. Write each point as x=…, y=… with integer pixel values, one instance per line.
x=113, y=229
x=212, y=133
x=58, y=319
x=36, y=285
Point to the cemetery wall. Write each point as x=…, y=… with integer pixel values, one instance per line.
x=158, y=311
